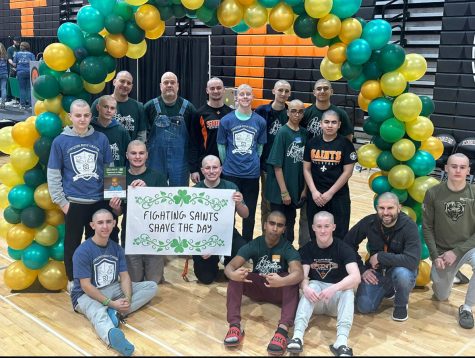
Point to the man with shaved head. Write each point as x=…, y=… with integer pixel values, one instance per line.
x=169, y=118
x=130, y=113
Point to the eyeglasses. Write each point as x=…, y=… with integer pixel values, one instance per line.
x=324, y=89
x=297, y=111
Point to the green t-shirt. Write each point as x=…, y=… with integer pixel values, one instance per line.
x=223, y=184
x=149, y=176
x=313, y=116
x=287, y=153
x=118, y=139
x=268, y=260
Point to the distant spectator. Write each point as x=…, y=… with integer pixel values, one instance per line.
x=22, y=60
x=11, y=51
x=3, y=74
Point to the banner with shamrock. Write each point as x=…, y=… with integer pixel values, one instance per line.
x=179, y=221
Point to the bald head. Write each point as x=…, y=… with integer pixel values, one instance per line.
x=169, y=87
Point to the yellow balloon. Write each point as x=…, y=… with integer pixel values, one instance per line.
x=7, y=143
x=31, y=120
x=403, y=149
x=418, y=189
x=423, y=274
x=54, y=104
x=401, y=176
x=136, y=51
x=331, y=71
x=329, y=26
x=39, y=108
x=94, y=88
x=10, y=176
x=367, y=155
x=281, y=17
x=230, y=13
x=393, y=83
x=148, y=15
x=434, y=146
x=407, y=107
x=58, y=56
x=4, y=190
x=374, y=176
x=65, y=119
x=20, y=236
x=47, y=235
x=337, y=52
x=351, y=29
x=420, y=129
x=110, y=76
x=192, y=4
x=25, y=134
x=18, y=277
x=136, y=2
x=43, y=198
x=255, y=15
x=371, y=89
x=156, y=32
x=414, y=67
x=363, y=102
x=23, y=159
x=409, y=212
x=116, y=45
x=103, y=32
x=54, y=217
x=53, y=276
x=318, y=8
x=4, y=227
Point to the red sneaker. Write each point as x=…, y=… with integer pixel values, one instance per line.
x=234, y=336
x=277, y=345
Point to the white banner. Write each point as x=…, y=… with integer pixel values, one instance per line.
x=179, y=221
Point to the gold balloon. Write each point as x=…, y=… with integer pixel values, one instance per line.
x=31, y=120
x=331, y=71
x=18, y=277
x=53, y=276
x=420, y=129
x=318, y=8
x=363, y=102
x=230, y=13
x=23, y=159
x=403, y=149
x=58, y=56
x=351, y=29
x=65, y=119
x=414, y=67
x=103, y=32
x=423, y=274
x=192, y=4
x=434, y=146
x=7, y=143
x=281, y=17
x=136, y=2
x=25, y=134
x=372, y=177
x=54, y=104
x=407, y=107
x=39, y=108
x=371, y=89
x=329, y=26
x=116, y=45
x=136, y=51
x=418, y=189
x=393, y=83
x=367, y=155
x=255, y=15
x=147, y=17
x=20, y=236
x=4, y=190
x=47, y=235
x=337, y=52
x=157, y=31
x=401, y=176
x=42, y=197
x=110, y=76
x=54, y=217
x=409, y=212
x=246, y=2
x=94, y=88
x=10, y=176
x=4, y=227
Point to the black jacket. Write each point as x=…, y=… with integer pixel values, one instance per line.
x=404, y=245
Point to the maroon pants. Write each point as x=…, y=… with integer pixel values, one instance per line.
x=287, y=296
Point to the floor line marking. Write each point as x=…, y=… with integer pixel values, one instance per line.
x=161, y=344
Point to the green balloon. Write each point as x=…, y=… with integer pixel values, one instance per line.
x=71, y=35
x=371, y=70
x=178, y=11
x=191, y=14
x=319, y=41
x=20, y=196
x=214, y=20
x=356, y=83
x=427, y=106
x=422, y=163
x=386, y=161
x=46, y=86
x=85, y=96
x=380, y=109
x=48, y=124
x=204, y=13
x=268, y=3
x=105, y=7
x=293, y=2
x=124, y=10
x=95, y=44
x=305, y=26
x=371, y=127
x=424, y=251
x=109, y=62
x=335, y=40
x=175, y=2
x=345, y=8
x=392, y=130
x=37, y=96
x=93, y=70
x=90, y=20
x=61, y=231
x=43, y=69
x=350, y=71
x=241, y=27
x=12, y=215
x=391, y=58
x=361, y=21
x=358, y=52
x=299, y=9
x=33, y=216
x=381, y=143
x=80, y=53
x=56, y=251
x=76, y=68
x=42, y=148
x=70, y=84
x=377, y=32
x=14, y=254
x=66, y=102
x=35, y=176
x=114, y=24
x=35, y=256
x=166, y=12
x=381, y=184
x=134, y=34
x=401, y=194
x=211, y=4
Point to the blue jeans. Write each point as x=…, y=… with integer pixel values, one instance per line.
x=399, y=280
x=3, y=87
x=25, y=88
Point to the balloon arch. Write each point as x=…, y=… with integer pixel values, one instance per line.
x=84, y=60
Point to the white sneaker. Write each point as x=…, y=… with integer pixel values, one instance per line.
x=69, y=286
x=12, y=102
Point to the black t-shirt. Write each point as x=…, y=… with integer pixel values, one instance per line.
x=328, y=264
x=327, y=161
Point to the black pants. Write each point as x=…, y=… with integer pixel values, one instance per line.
x=207, y=270
x=250, y=191
x=339, y=206
x=290, y=212
x=76, y=221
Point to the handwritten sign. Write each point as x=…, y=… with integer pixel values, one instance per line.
x=179, y=221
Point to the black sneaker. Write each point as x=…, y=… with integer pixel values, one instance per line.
x=390, y=295
x=400, y=313
x=465, y=318
x=342, y=351
x=295, y=345
x=460, y=278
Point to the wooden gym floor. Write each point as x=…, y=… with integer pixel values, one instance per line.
x=189, y=319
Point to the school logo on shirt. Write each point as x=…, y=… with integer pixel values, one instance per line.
x=266, y=266
x=274, y=128
x=323, y=267
x=84, y=164
x=104, y=272
x=115, y=151
x=295, y=152
x=127, y=121
x=454, y=209
x=314, y=126
x=328, y=157
x=243, y=139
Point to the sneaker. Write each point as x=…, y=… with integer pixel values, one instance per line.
x=118, y=341
x=460, y=278
x=234, y=336
x=465, y=318
x=114, y=316
x=278, y=343
x=69, y=286
x=400, y=313
x=11, y=103
x=295, y=345
x=341, y=351
x=390, y=295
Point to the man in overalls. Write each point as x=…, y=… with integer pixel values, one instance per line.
x=169, y=119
